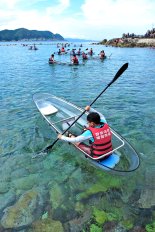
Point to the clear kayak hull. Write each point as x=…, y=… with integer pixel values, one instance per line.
x=60, y=114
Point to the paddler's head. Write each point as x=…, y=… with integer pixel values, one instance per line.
x=93, y=119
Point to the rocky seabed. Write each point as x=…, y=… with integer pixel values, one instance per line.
x=53, y=195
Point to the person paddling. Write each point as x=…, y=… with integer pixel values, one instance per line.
x=98, y=133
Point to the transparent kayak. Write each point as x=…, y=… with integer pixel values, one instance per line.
x=60, y=114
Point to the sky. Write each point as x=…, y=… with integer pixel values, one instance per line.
x=84, y=19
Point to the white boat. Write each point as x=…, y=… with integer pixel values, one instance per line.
x=60, y=114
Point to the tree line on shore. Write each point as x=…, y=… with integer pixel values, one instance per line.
x=148, y=34
x=132, y=40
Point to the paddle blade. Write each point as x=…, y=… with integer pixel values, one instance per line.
x=40, y=154
x=119, y=73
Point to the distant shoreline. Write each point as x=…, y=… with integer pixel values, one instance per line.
x=130, y=42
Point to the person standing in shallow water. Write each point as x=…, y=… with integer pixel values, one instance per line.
x=51, y=59
x=98, y=133
x=102, y=54
x=75, y=59
x=84, y=56
x=91, y=52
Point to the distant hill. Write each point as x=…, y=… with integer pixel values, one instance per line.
x=25, y=34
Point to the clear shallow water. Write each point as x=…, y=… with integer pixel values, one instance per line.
x=129, y=108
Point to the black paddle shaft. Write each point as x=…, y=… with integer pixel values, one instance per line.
x=117, y=75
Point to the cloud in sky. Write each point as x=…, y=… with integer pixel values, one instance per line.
x=83, y=18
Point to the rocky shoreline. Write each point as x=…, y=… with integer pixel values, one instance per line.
x=130, y=42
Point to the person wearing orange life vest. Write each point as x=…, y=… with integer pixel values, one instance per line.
x=62, y=49
x=75, y=59
x=98, y=133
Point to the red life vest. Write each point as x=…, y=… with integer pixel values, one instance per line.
x=102, y=140
x=75, y=60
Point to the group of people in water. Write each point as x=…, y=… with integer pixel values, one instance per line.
x=74, y=58
x=33, y=47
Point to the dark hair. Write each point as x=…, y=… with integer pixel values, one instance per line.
x=94, y=117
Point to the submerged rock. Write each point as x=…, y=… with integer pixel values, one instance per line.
x=56, y=196
x=7, y=199
x=4, y=187
x=23, y=212
x=147, y=198
x=99, y=216
x=47, y=225
x=77, y=224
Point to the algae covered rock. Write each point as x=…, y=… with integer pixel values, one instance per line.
x=100, y=186
x=23, y=212
x=47, y=225
x=25, y=183
x=79, y=207
x=95, y=228
x=56, y=196
x=150, y=227
x=127, y=224
x=99, y=216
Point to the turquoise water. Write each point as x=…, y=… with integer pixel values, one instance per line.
x=62, y=189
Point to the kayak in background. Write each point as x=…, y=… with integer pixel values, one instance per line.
x=64, y=63
x=60, y=114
